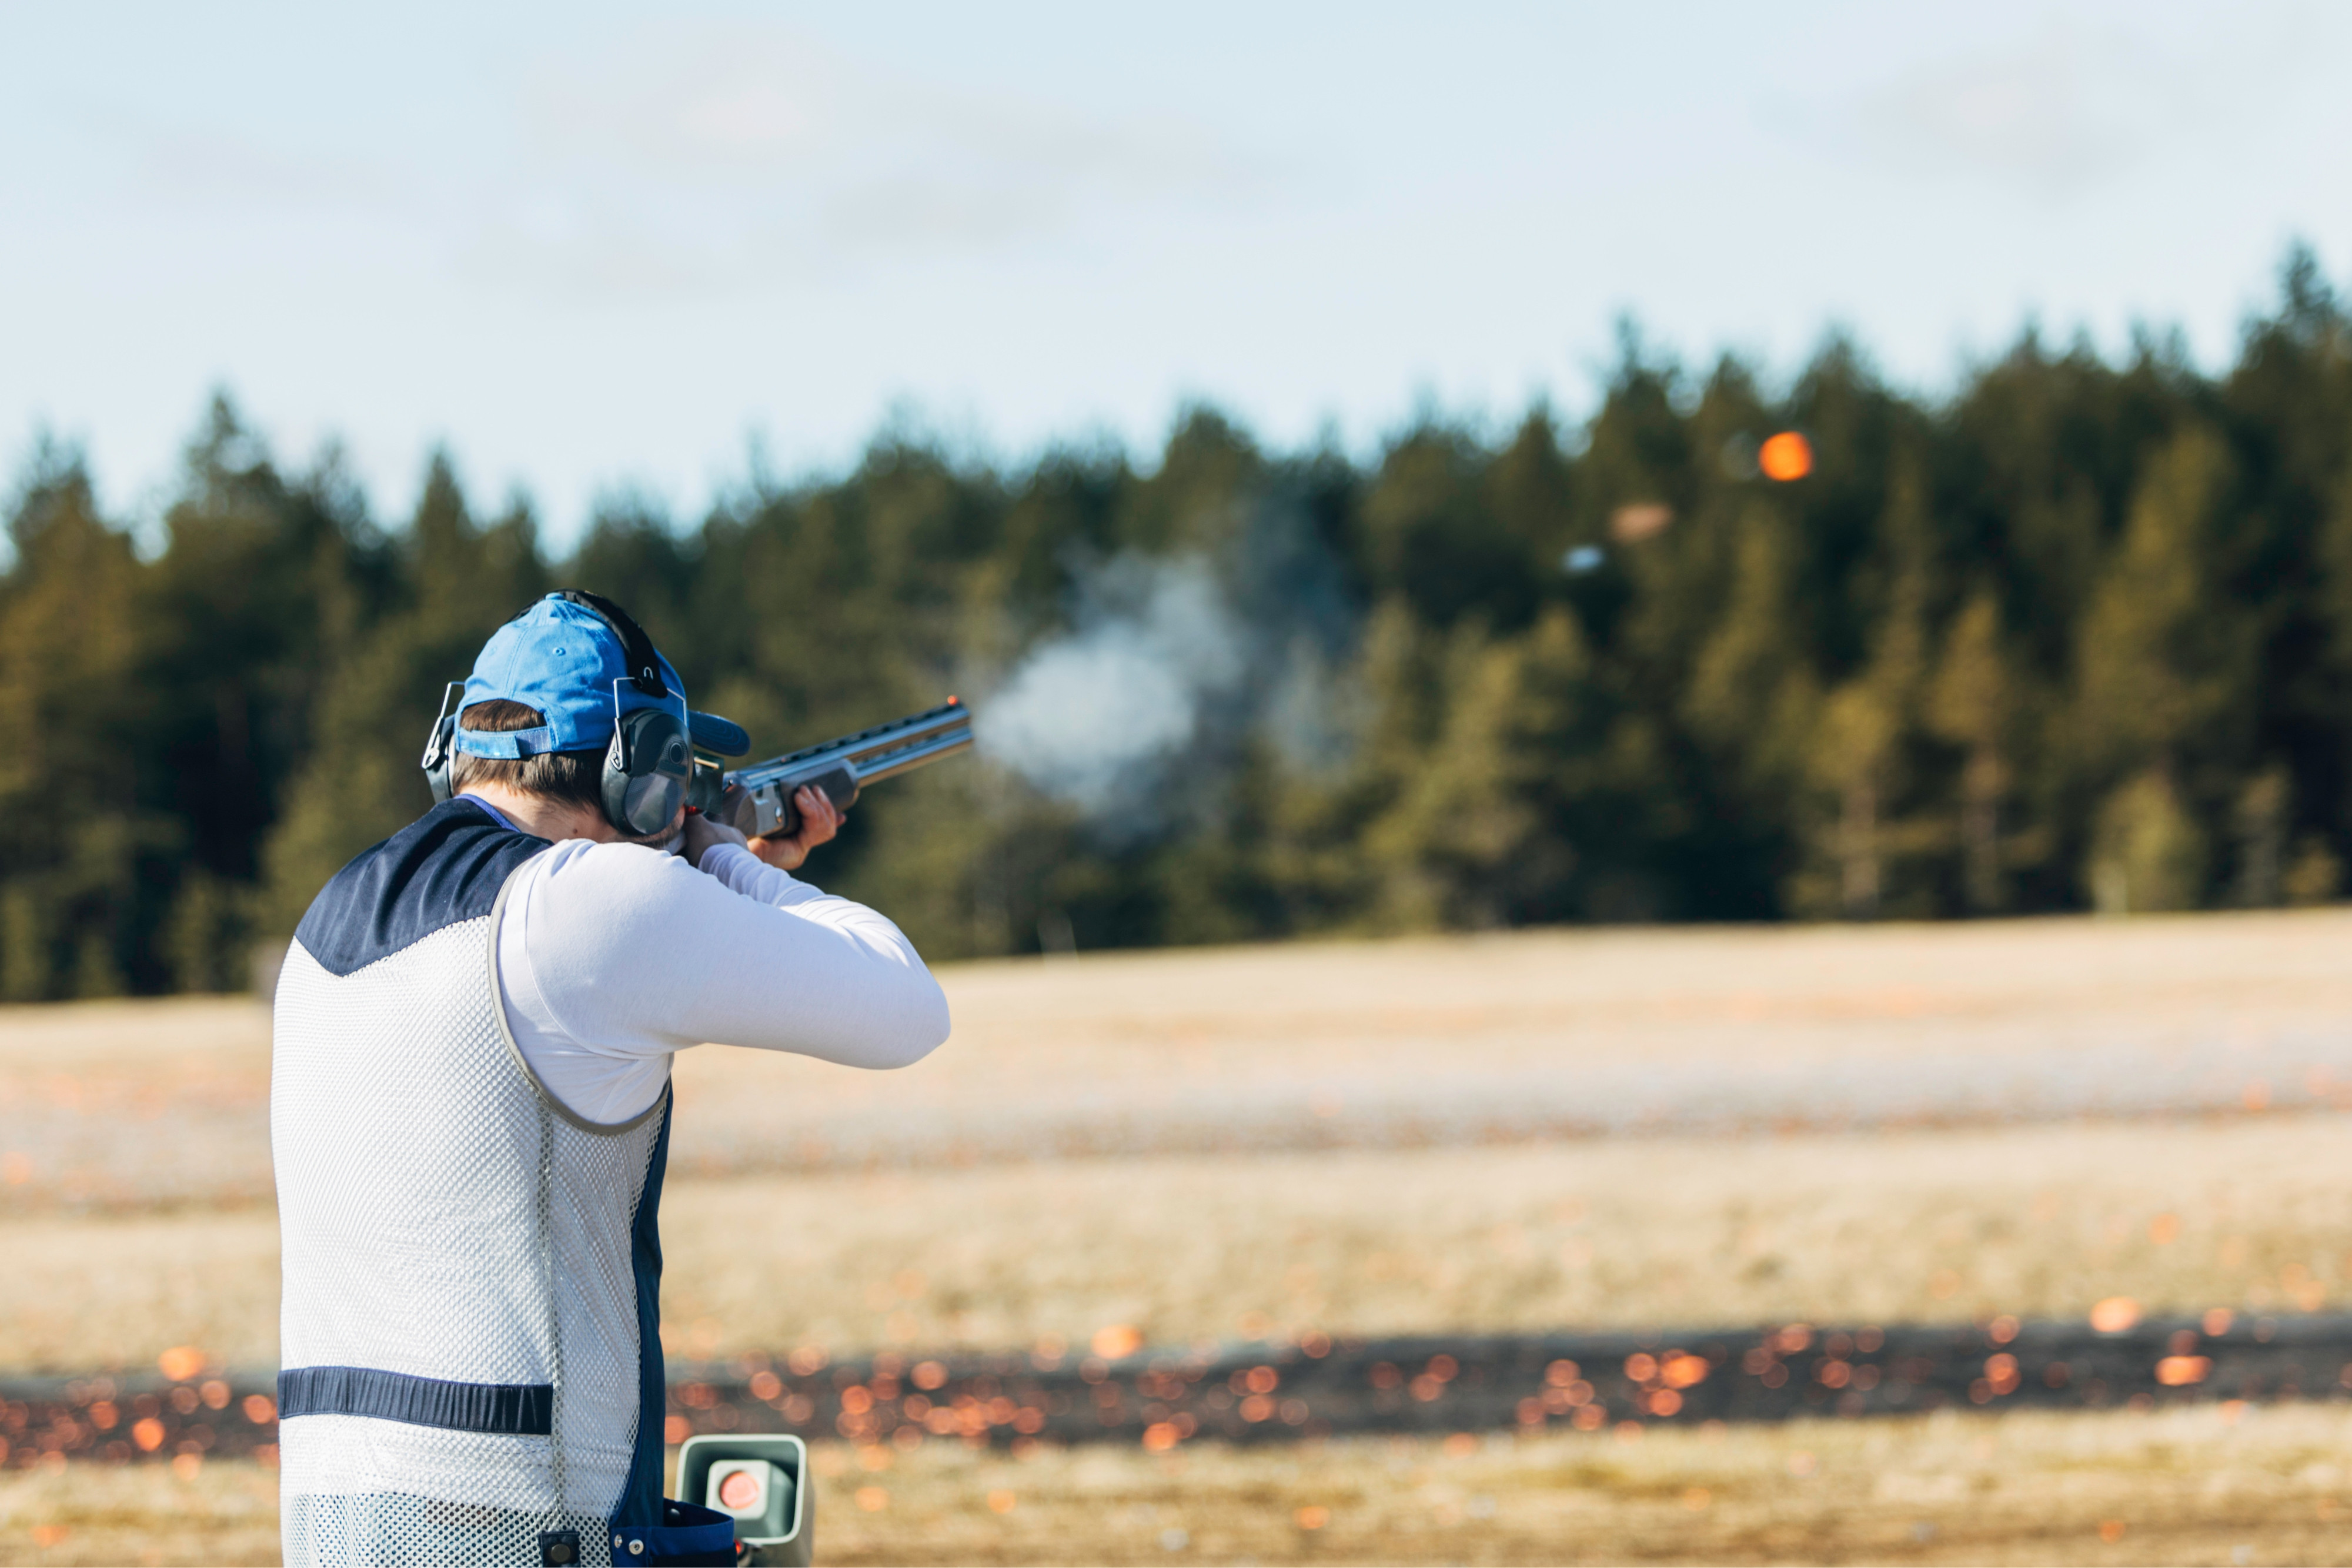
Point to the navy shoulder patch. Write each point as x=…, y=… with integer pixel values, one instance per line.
x=444, y=867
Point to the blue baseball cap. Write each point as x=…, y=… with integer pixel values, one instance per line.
x=570, y=663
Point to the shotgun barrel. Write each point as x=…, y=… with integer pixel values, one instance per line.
x=758, y=799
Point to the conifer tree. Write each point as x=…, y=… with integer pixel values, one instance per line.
x=1857, y=751
x=1973, y=704
x=72, y=833
x=2165, y=680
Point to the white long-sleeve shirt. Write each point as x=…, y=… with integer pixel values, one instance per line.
x=612, y=958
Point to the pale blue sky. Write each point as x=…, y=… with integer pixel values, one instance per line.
x=600, y=244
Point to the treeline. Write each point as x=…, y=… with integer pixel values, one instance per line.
x=2080, y=636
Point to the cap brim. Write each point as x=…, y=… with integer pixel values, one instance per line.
x=721, y=736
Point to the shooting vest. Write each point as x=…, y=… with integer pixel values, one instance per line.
x=469, y=1335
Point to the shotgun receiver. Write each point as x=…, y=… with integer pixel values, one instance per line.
x=758, y=799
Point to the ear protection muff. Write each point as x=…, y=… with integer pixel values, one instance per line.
x=441, y=745
x=650, y=762
x=646, y=770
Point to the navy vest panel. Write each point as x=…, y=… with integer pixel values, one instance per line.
x=444, y=867
x=641, y=1498
x=519, y=1407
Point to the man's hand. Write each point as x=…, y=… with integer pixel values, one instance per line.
x=820, y=820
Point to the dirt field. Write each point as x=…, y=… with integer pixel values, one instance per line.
x=1425, y=1043
x=2205, y=1485
x=1524, y=1132
x=2038, y=1221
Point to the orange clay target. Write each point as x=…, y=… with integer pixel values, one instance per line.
x=1786, y=457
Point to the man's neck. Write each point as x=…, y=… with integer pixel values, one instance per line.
x=544, y=819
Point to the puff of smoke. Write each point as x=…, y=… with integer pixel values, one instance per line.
x=1089, y=717
x=1141, y=714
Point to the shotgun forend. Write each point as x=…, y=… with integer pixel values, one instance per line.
x=758, y=799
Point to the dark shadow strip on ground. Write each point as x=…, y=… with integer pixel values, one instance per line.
x=1275, y=1393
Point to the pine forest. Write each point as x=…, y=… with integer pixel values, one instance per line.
x=2072, y=634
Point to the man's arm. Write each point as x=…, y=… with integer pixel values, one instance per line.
x=614, y=957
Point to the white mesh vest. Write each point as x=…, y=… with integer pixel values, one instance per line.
x=468, y=1339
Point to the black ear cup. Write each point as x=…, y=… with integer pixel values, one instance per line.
x=441, y=743
x=646, y=770
x=439, y=755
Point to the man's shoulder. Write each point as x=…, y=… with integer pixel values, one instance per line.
x=612, y=879
x=443, y=869
x=596, y=905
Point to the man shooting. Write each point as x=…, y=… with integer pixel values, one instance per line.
x=470, y=1108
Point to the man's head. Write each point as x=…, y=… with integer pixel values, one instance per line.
x=571, y=702
x=569, y=778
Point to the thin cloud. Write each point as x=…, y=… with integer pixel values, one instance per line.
x=2066, y=110
x=2057, y=113
x=718, y=159
x=213, y=169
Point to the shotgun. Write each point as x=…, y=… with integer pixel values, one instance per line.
x=757, y=800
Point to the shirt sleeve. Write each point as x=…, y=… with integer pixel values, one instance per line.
x=738, y=869
x=624, y=953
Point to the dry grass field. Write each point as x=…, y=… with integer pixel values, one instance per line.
x=2193, y=1485
x=1531, y=1131
x=139, y=1105
x=2039, y=1220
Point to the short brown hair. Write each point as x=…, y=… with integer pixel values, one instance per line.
x=574, y=776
